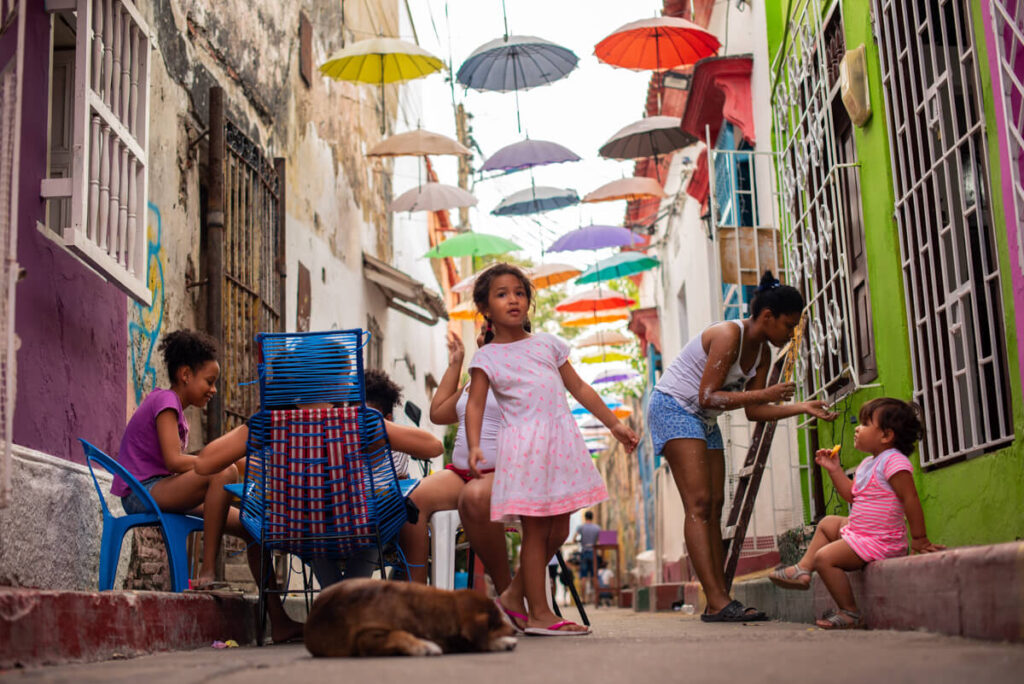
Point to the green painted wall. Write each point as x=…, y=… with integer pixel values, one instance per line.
x=971, y=502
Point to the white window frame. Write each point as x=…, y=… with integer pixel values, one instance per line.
x=950, y=262
x=109, y=172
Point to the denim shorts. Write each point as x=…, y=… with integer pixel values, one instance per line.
x=668, y=420
x=131, y=503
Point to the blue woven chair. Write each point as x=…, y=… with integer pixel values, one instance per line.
x=174, y=527
x=319, y=482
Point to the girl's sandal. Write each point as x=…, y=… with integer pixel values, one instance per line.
x=841, y=619
x=780, y=577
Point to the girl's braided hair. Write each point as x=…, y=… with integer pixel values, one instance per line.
x=190, y=348
x=482, y=292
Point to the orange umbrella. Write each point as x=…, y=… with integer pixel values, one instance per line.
x=629, y=189
x=622, y=412
x=595, y=300
x=547, y=275
x=658, y=43
x=466, y=311
x=595, y=318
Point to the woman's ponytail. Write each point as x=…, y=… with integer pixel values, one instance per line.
x=780, y=299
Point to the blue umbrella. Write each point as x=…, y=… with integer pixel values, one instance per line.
x=528, y=153
x=535, y=200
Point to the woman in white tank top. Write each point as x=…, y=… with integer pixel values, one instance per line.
x=453, y=487
x=723, y=368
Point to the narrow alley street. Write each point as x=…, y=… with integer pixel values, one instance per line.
x=627, y=647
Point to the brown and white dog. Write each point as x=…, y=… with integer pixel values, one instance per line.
x=366, y=617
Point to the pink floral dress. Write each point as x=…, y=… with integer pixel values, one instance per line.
x=543, y=467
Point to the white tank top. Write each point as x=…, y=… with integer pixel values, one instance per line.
x=681, y=380
x=488, y=433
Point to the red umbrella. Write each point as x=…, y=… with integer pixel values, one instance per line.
x=595, y=300
x=659, y=43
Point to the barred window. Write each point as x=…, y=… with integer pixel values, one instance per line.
x=1008, y=27
x=950, y=263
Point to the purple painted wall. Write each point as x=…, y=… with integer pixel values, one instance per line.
x=72, y=364
x=1004, y=172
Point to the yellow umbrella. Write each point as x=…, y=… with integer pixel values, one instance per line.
x=466, y=311
x=547, y=275
x=596, y=317
x=605, y=357
x=380, y=61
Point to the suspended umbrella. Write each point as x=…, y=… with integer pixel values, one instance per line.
x=432, y=197
x=472, y=244
x=528, y=153
x=578, y=410
x=629, y=189
x=535, y=201
x=418, y=143
x=514, y=63
x=464, y=311
x=620, y=374
x=606, y=357
x=602, y=338
x=595, y=300
x=595, y=237
x=622, y=412
x=658, y=43
x=618, y=266
x=547, y=275
x=596, y=317
x=648, y=137
x=380, y=61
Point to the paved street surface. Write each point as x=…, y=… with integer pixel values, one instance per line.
x=627, y=647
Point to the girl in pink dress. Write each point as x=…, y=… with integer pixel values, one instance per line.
x=881, y=495
x=544, y=471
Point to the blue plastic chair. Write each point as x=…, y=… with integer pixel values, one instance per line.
x=175, y=527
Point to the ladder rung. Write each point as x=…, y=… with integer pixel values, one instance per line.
x=729, y=532
x=746, y=472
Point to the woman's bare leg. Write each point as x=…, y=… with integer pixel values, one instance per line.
x=487, y=537
x=438, y=492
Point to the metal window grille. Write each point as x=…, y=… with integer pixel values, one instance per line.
x=1008, y=27
x=812, y=174
x=950, y=263
x=109, y=178
x=8, y=13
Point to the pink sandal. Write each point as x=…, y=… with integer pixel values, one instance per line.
x=556, y=630
x=512, y=616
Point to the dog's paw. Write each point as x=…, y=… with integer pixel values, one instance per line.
x=426, y=648
x=505, y=643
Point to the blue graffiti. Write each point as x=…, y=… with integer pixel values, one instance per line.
x=144, y=331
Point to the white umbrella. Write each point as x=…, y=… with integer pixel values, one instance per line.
x=601, y=337
x=432, y=197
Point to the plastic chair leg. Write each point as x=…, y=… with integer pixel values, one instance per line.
x=176, y=530
x=443, y=527
x=114, y=530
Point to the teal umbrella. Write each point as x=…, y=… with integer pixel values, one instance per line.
x=618, y=266
x=472, y=244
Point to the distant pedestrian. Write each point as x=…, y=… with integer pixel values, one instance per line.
x=881, y=495
x=586, y=536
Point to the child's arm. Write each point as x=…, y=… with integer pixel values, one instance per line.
x=592, y=401
x=830, y=462
x=223, y=451
x=903, y=484
x=170, y=443
x=442, y=406
x=479, y=383
x=414, y=441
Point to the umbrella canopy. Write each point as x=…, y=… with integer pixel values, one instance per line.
x=528, y=153
x=595, y=237
x=515, y=63
x=601, y=338
x=595, y=300
x=432, y=197
x=464, y=311
x=472, y=244
x=618, y=266
x=418, y=143
x=536, y=200
x=629, y=189
x=622, y=412
x=618, y=374
x=658, y=43
x=578, y=410
x=606, y=357
x=647, y=137
x=547, y=275
x=596, y=317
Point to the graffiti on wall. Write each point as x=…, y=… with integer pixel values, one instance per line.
x=146, y=321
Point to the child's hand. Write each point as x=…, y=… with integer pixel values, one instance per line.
x=819, y=409
x=476, y=456
x=625, y=436
x=922, y=545
x=456, y=351
x=828, y=459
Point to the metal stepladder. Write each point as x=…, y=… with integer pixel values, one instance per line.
x=749, y=478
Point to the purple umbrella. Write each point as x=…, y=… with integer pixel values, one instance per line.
x=595, y=237
x=619, y=374
x=527, y=153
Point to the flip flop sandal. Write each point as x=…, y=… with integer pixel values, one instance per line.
x=779, y=578
x=841, y=619
x=212, y=585
x=512, y=616
x=556, y=630
x=735, y=611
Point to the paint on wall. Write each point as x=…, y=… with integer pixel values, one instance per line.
x=147, y=321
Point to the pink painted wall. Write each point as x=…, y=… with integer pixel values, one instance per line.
x=1009, y=209
x=72, y=364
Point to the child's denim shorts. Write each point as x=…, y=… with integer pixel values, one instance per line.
x=668, y=420
x=131, y=503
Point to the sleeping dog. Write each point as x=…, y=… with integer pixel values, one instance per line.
x=366, y=617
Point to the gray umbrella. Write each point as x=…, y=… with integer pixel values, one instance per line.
x=649, y=137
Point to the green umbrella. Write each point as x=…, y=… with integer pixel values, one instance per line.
x=618, y=266
x=472, y=244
